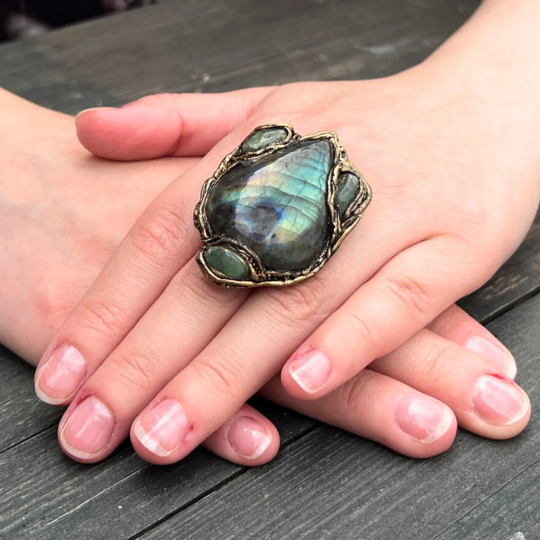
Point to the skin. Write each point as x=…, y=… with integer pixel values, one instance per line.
x=67, y=214
x=152, y=329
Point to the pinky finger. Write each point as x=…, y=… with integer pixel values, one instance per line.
x=248, y=438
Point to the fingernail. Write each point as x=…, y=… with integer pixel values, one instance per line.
x=422, y=418
x=495, y=353
x=80, y=114
x=163, y=428
x=311, y=370
x=61, y=375
x=248, y=437
x=88, y=429
x=498, y=401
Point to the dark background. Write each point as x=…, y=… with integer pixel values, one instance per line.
x=22, y=18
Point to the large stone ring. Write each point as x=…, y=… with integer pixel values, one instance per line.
x=277, y=208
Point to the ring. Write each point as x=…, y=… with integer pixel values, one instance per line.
x=277, y=208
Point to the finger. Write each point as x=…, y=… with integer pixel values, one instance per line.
x=248, y=438
x=175, y=329
x=378, y=408
x=165, y=124
x=459, y=327
x=156, y=249
x=403, y=296
x=243, y=356
x=484, y=400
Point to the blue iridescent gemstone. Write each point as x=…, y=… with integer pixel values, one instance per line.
x=277, y=205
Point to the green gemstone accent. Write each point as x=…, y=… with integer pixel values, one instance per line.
x=348, y=188
x=263, y=138
x=277, y=205
x=226, y=262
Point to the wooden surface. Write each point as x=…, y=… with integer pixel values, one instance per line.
x=325, y=483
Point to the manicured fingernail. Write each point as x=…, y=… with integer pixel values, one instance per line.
x=495, y=353
x=163, y=428
x=88, y=429
x=422, y=418
x=61, y=375
x=248, y=437
x=311, y=370
x=498, y=401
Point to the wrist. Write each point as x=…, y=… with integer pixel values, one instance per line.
x=29, y=150
x=489, y=70
x=495, y=56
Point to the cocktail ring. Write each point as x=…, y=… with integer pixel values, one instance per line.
x=277, y=208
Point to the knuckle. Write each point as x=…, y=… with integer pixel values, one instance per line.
x=193, y=287
x=442, y=360
x=105, y=317
x=51, y=305
x=359, y=325
x=133, y=371
x=305, y=302
x=163, y=234
x=352, y=396
x=411, y=292
x=219, y=376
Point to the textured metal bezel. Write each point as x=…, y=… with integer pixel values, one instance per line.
x=259, y=276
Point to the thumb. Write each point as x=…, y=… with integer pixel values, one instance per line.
x=165, y=124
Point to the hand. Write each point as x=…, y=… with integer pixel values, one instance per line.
x=150, y=317
x=62, y=242
x=68, y=212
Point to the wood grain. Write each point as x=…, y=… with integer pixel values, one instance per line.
x=44, y=493
x=218, y=45
x=22, y=416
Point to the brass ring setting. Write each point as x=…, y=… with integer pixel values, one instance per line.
x=277, y=208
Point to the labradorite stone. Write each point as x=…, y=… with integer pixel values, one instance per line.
x=264, y=137
x=226, y=262
x=347, y=191
x=277, y=205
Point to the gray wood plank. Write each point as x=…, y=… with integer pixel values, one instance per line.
x=330, y=484
x=44, y=493
x=217, y=45
x=511, y=511
x=21, y=414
